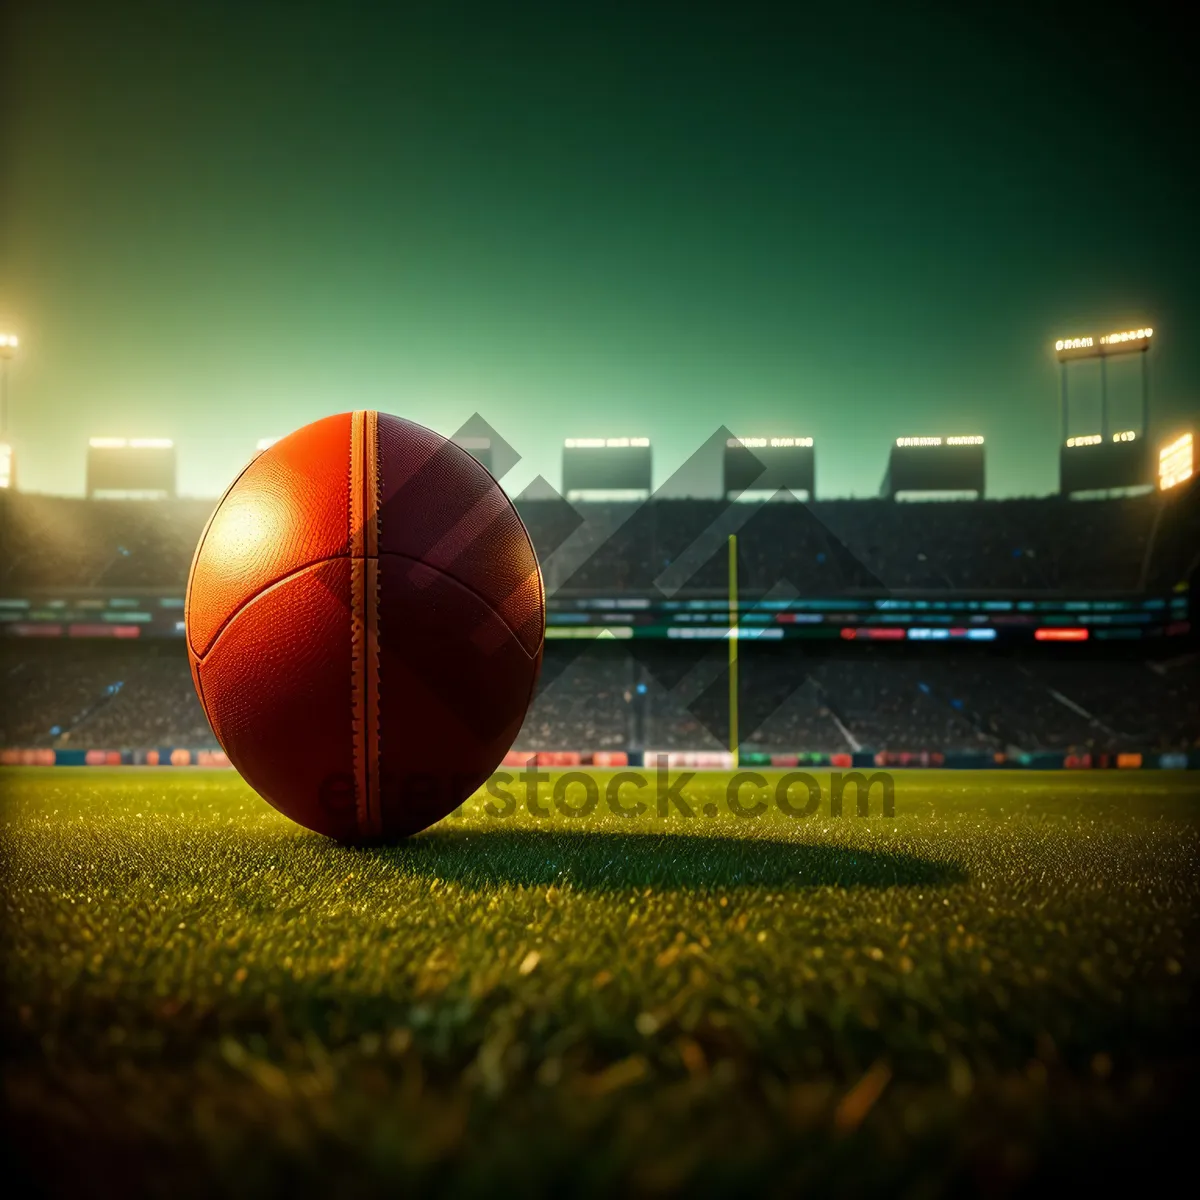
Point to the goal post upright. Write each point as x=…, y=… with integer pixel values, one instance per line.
x=733, y=650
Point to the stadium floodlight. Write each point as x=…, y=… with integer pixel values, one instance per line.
x=1128, y=335
x=775, y=443
x=6, y=465
x=606, y=468
x=1176, y=462
x=8, y=348
x=120, y=443
x=955, y=472
x=1126, y=435
x=1108, y=343
x=612, y=443
x=1086, y=439
x=967, y=439
x=131, y=467
x=755, y=470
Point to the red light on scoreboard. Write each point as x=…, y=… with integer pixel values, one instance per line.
x=1061, y=635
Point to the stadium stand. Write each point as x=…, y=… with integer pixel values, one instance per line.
x=1042, y=544
x=100, y=695
x=116, y=696
x=57, y=541
x=607, y=696
x=591, y=695
x=827, y=546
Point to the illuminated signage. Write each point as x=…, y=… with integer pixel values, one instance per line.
x=1175, y=462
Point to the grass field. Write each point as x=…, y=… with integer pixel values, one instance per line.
x=993, y=990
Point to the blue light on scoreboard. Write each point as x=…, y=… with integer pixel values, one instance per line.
x=927, y=634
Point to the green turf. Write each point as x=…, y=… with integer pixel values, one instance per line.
x=995, y=987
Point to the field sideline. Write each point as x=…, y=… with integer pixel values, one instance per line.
x=994, y=989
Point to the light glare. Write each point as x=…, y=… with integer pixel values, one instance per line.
x=1176, y=462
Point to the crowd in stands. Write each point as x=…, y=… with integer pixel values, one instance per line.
x=64, y=542
x=652, y=695
x=110, y=696
x=825, y=547
x=592, y=694
x=99, y=696
x=820, y=548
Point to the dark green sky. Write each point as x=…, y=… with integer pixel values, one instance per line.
x=220, y=221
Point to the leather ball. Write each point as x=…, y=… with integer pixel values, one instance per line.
x=365, y=622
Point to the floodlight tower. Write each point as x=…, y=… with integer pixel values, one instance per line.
x=1129, y=341
x=8, y=470
x=1103, y=461
x=8, y=350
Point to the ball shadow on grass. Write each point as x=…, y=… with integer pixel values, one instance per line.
x=618, y=861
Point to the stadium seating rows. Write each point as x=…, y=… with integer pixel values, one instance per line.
x=134, y=696
x=822, y=548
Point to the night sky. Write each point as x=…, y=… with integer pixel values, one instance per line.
x=220, y=221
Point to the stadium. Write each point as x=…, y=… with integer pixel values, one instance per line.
x=597, y=600
x=992, y=704
x=1050, y=632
